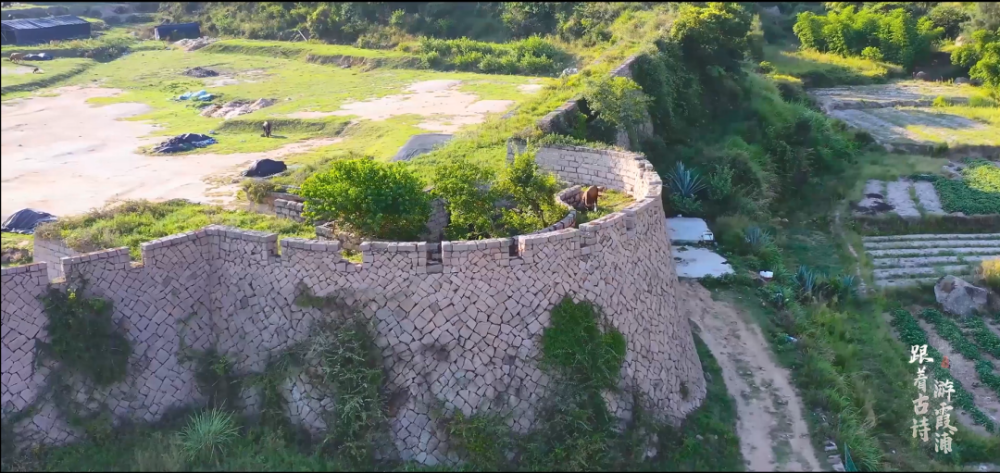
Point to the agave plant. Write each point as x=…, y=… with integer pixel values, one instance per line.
x=848, y=282
x=684, y=182
x=808, y=281
x=756, y=237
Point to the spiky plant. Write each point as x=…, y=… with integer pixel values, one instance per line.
x=684, y=182
x=808, y=281
x=756, y=238
x=208, y=434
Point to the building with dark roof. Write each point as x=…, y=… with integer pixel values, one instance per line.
x=173, y=32
x=43, y=30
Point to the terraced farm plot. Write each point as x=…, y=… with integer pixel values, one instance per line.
x=907, y=260
x=901, y=116
x=906, y=198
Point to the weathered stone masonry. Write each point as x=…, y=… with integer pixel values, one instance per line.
x=464, y=332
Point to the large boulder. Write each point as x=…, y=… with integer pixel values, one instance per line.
x=961, y=298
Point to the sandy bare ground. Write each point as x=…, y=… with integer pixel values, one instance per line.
x=7, y=71
x=64, y=156
x=445, y=108
x=772, y=430
x=964, y=371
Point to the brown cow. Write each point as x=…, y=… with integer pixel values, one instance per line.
x=590, y=197
x=16, y=57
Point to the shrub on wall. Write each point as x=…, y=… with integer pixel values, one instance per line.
x=378, y=200
x=474, y=194
x=83, y=338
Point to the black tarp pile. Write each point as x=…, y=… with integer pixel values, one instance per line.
x=265, y=168
x=37, y=57
x=185, y=142
x=25, y=221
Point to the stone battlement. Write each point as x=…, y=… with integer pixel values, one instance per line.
x=463, y=332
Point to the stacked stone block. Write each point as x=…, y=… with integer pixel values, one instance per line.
x=289, y=209
x=51, y=251
x=463, y=333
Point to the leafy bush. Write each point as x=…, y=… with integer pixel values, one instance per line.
x=620, y=102
x=529, y=56
x=468, y=190
x=373, y=199
x=474, y=192
x=83, y=338
x=989, y=272
x=533, y=192
x=982, y=59
x=872, y=53
x=257, y=190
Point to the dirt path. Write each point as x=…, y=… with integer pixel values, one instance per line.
x=64, y=156
x=965, y=372
x=772, y=430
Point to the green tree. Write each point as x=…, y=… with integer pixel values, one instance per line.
x=809, y=29
x=714, y=37
x=949, y=18
x=987, y=69
x=377, y=200
x=533, y=192
x=468, y=190
x=621, y=102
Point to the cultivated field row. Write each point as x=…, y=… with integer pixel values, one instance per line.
x=907, y=260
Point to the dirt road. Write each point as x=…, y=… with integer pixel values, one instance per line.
x=772, y=430
x=64, y=156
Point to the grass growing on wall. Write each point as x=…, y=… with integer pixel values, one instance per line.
x=611, y=201
x=15, y=243
x=132, y=223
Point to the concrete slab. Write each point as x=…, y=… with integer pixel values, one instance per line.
x=686, y=229
x=421, y=144
x=694, y=262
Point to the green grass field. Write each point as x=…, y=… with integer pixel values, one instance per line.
x=818, y=69
x=155, y=78
x=955, y=124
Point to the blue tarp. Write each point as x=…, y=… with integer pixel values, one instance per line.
x=199, y=95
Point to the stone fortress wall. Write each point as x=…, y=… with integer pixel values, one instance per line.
x=463, y=332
